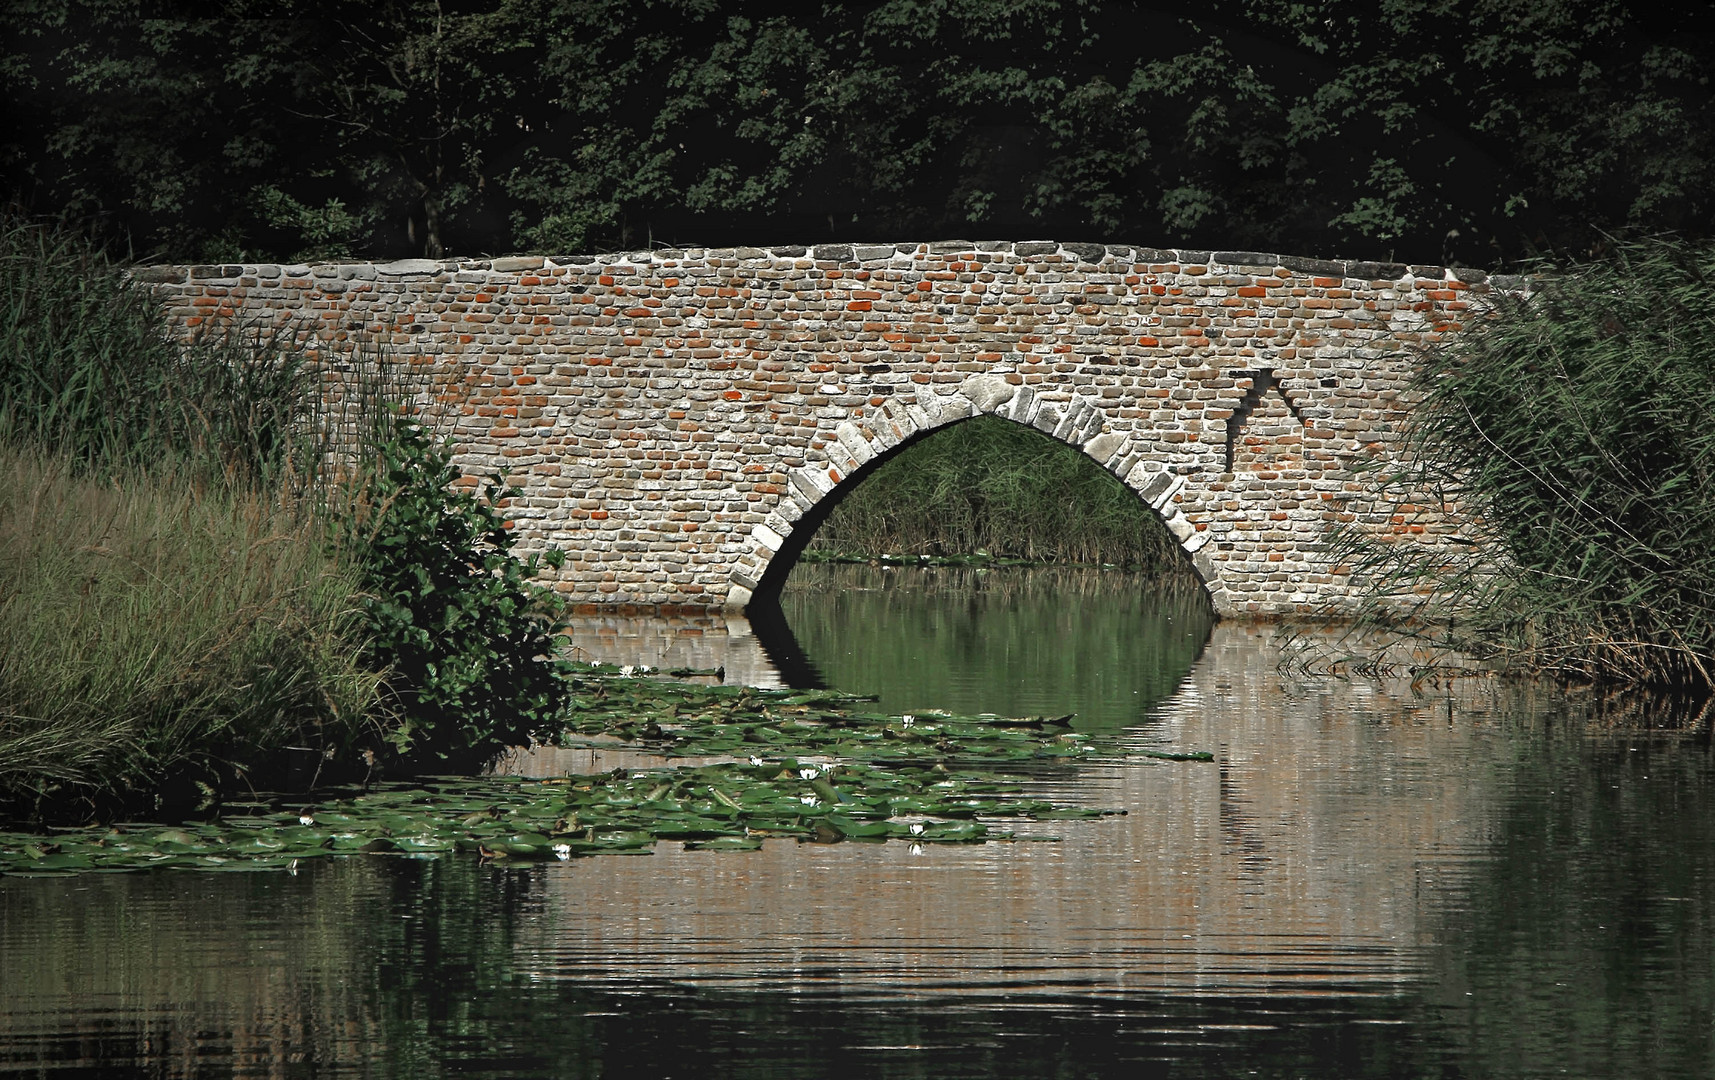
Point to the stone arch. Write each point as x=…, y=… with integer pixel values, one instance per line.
x=856, y=448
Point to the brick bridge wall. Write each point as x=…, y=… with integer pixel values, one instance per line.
x=680, y=421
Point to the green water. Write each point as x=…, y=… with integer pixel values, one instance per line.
x=973, y=640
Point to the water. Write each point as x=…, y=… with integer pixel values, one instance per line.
x=1371, y=880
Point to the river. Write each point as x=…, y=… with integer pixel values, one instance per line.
x=1372, y=878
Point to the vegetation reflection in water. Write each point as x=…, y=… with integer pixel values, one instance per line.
x=1105, y=645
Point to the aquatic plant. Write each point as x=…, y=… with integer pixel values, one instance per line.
x=815, y=766
x=686, y=719
x=726, y=807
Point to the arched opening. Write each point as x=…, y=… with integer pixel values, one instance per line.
x=1162, y=544
x=874, y=589
x=990, y=487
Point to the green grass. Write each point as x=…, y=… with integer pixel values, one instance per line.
x=994, y=486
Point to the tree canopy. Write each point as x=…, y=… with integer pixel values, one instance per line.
x=1443, y=131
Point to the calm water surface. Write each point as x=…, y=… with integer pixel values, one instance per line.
x=1371, y=880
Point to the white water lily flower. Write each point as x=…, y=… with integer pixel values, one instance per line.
x=916, y=828
x=754, y=760
x=809, y=800
x=626, y=671
x=305, y=819
x=916, y=849
x=809, y=774
x=563, y=851
x=907, y=720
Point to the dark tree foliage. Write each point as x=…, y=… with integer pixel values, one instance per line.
x=1472, y=131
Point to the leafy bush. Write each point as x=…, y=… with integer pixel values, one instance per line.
x=1572, y=424
x=465, y=636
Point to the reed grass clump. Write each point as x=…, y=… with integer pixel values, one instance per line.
x=216, y=554
x=89, y=370
x=991, y=485
x=154, y=634
x=1571, y=423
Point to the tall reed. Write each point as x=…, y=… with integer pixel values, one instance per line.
x=1571, y=424
x=90, y=370
x=153, y=632
x=170, y=604
x=992, y=485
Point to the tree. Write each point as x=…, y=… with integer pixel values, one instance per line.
x=1429, y=130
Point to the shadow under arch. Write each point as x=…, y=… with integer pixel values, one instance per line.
x=816, y=503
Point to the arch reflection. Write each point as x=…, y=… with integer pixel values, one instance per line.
x=1105, y=645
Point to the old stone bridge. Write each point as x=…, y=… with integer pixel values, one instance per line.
x=681, y=421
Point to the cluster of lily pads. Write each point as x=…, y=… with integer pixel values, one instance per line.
x=685, y=719
x=807, y=765
x=727, y=806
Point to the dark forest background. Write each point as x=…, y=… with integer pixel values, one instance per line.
x=1478, y=132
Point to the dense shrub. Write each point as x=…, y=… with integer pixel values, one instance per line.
x=465, y=636
x=1572, y=423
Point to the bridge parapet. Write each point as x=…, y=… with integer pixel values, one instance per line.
x=680, y=421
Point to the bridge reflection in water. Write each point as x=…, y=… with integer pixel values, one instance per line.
x=1301, y=859
x=1371, y=879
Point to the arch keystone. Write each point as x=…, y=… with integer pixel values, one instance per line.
x=987, y=393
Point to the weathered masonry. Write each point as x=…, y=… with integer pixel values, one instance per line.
x=680, y=421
